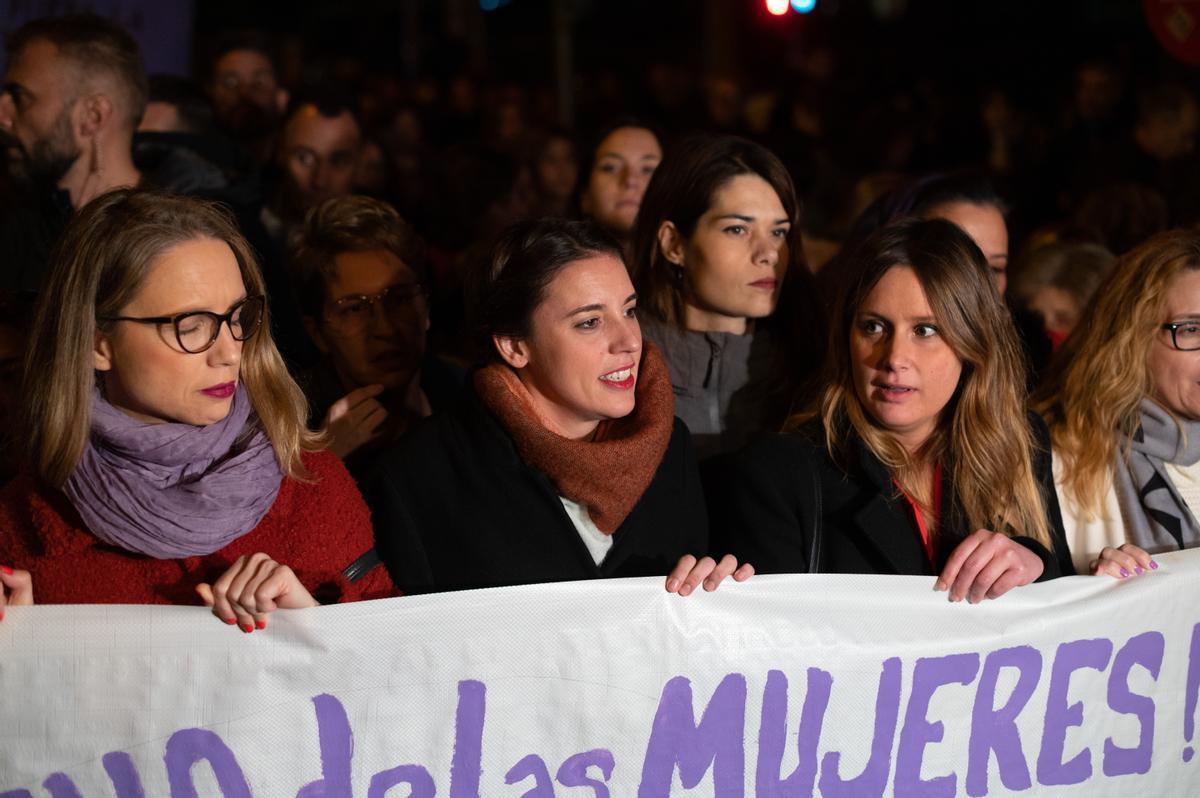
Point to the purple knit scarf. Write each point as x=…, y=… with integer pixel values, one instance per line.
x=174, y=490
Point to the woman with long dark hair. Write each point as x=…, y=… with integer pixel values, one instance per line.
x=719, y=268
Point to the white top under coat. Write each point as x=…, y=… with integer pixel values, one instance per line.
x=596, y=541
x=1186, y=480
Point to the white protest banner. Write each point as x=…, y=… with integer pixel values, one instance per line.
x=782, y=686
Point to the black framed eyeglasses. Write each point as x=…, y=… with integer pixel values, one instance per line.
x=1185, y=335
x=197, y=331
x=351, y=314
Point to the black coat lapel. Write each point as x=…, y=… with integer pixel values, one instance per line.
x=884, y=521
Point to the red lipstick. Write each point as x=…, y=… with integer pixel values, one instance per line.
x=222, y=391
x=624, y=384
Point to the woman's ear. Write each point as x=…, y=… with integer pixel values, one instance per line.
x=671, y=243
x=102, y=358
x=513, y=351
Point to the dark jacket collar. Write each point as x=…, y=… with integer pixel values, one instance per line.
x=888, y=511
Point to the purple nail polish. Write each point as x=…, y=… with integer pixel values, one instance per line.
x=1138, y=570
x=1154, y=565
x=1124, y=573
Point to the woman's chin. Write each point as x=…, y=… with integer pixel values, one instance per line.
x=621, y=409
x=208, y=415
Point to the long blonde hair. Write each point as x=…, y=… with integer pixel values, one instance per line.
x=983, y=434
x=99, y=266
x=1101, y=375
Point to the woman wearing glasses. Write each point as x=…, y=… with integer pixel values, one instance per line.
x=1124, y=412
x=360, y=277
x=167, y=450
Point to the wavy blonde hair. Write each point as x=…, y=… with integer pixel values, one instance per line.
x=1093, y=392
x=97, y=269
x=983, y=434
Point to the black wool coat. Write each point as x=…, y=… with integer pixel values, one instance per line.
x=763, y=503
x=455, y=507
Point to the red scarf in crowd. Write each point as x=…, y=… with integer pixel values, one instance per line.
x=607, y=474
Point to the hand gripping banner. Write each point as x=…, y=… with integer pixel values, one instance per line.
x=781, y=686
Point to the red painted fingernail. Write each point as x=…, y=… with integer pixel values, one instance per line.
x=7, y=571
x=260, y=624
x=247, y=628
x=230, y=621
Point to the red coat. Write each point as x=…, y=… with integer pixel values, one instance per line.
x=317, y=528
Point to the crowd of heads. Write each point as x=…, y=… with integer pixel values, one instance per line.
x=393, y=222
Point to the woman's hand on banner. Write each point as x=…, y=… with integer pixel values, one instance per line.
x=252, y=589
x=987, y=565
x=16, y=588
x=689, y=573
x=1123, y=562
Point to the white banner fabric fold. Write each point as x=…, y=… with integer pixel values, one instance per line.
x=781, y=686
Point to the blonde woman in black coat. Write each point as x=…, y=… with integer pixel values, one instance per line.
x=919, y=457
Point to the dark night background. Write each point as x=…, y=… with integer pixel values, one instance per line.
x=1019, y=42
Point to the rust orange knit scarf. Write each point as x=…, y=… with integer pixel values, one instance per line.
x=607, y=474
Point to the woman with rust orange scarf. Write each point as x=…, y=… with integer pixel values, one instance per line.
x=566, y=462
